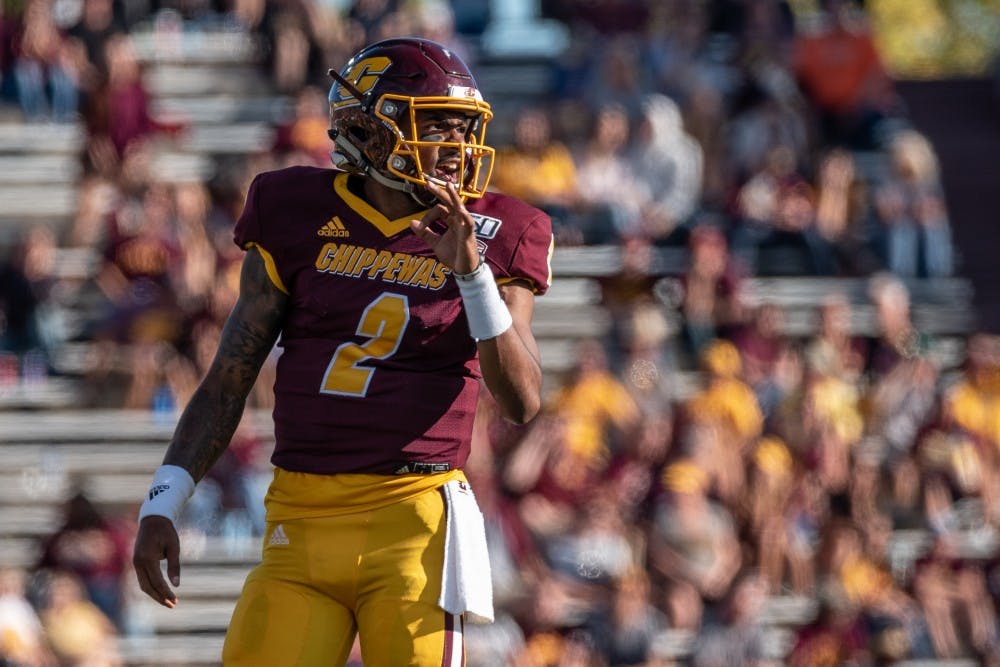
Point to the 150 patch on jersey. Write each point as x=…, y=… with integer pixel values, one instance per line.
x=486, y=227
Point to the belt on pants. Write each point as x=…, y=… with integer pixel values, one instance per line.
x=420, y=468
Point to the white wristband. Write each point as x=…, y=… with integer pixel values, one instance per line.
x=171, y=488
x=487, y=313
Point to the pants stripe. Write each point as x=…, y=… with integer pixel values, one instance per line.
x=454, y=642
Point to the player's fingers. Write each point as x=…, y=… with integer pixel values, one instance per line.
x=448, y=197
x=151, y=581
x=453, y=198
x=173, y=551
x=436, y=190
x=147, y=587
x=436, y=212
x=457, y=210
x=422, y=228
x=156, y=540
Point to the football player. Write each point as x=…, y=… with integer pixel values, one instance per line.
x=394, y=283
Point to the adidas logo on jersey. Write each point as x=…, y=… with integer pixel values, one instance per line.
x=278, y=536
x=334, y=227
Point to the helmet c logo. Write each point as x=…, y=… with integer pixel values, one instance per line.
x=363, y=74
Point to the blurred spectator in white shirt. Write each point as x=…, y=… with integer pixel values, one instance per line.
x=668, y=164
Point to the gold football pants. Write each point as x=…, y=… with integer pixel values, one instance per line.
x=373, y=570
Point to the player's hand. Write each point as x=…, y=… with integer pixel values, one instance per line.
x=456, y=246
x=157, y=539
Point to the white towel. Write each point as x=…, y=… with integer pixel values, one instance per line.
x=466, y=584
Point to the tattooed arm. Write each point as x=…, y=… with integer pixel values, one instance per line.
x=215, y=409
x=208, y=422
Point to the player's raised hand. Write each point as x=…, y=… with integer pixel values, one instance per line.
x=456, y=246
x=157, y=539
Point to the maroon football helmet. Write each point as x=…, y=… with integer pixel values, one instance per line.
x=373, y=106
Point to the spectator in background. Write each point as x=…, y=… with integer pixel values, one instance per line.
x=842, y=214
x=710, y=300
x=127, y=99
x=727, y=412
x=837, y=637
x=141, y=318
x=9, y=24
x=19, y=305
x=903, y=504
x=776, y=232
x=693, y=541
x=305, y=137
x=957, y=472
x=668, y=163
x=771, y=480
x=952, y=591
x=93, y=550
x=705, y=118
x=832, y=426
x=79, y=632
x=914, y=233
x=897, y=339
x=540, y=170
x=737, y=635
x=973, y=402
x=861, y=578
x=598, y=548
x=760, y=123
x=597, y=411
x=95, y=27
x=764, y=349
x=140, y=254
x=116, y=111
x=632, y=473
x=46, y=68
x=339, y=36
x=606, y=179
x=549, y=479
x=95, y=198
x=834, y=351
x=625, y=629
x=901, y=396
x=556, y=465
x=842, y=74
x=293, y=55
x=29, y=328
x=498, y=643
x=39, y=259
x=22, y=638
x=639, y=327
x=726, y=395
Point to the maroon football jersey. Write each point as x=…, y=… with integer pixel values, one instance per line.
x=377, y=368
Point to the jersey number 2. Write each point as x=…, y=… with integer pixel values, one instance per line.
x=383, y=322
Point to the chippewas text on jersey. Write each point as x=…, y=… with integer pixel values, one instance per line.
x=355, y=261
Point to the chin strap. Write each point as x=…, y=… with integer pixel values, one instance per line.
x=349, y=157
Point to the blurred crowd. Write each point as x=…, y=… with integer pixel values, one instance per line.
x=832, y=467
x=757, y=137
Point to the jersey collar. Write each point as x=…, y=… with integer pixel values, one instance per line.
x=368, y=212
